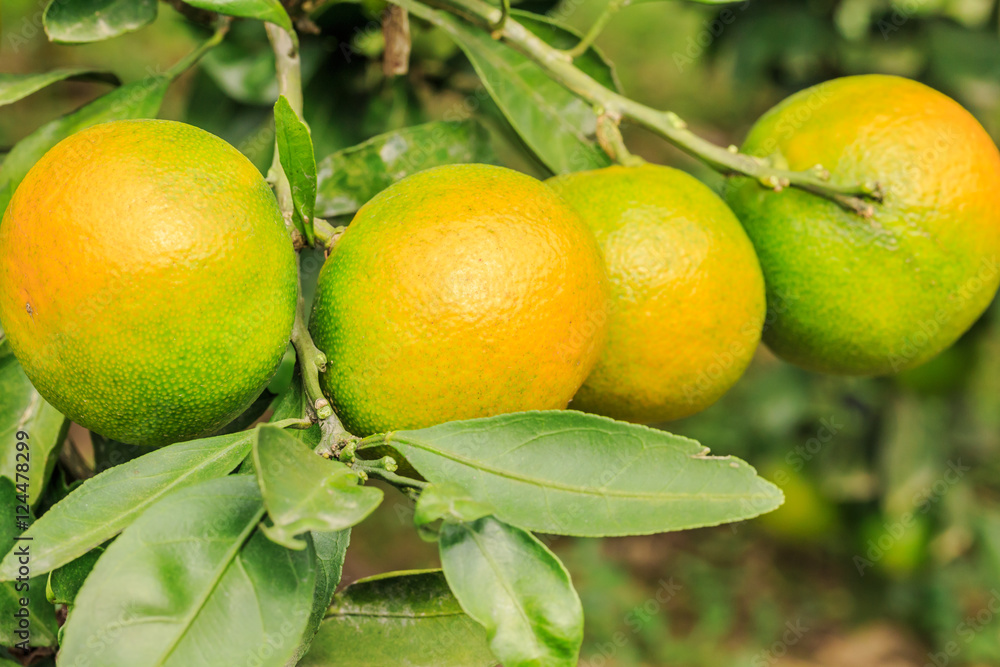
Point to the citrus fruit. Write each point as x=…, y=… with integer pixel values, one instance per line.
x=872, y=296
x=147, y=283
x=687, y=295
x=459, y=292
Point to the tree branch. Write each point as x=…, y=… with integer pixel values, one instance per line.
x=558, y=65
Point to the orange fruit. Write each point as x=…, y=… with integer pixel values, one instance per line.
x=687, y=295
x=147, y=283
x=462, y=291
x=870, y=296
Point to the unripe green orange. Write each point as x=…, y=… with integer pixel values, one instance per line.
x=147, y=283
x=870, y=296
x=687, y=295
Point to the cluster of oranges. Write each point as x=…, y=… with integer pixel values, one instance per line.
x=148, y=286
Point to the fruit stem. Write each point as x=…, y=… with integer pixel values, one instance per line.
x=188, y=61
x=667, y=124
x=312, y=362
x=609, y=136
x=326, y=233
x=602, y=21
x=289, y=73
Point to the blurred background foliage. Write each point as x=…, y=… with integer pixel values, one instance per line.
x=887, y=551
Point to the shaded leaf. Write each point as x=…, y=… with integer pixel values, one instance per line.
x=561, y=36
x=39, y=614
x=570, y=473
x=64, y=583
x=22, y=409
x=330, y=550
x=192, y=583
x=104, y=505
x=140, y=99
x=556, y=124
x=295, y=150
x=408, y=618
x=517, y=589
x=14, y=87
x=93, y=20
x=349, y=178
x=262, y=10
x=244, y=70
x=449, y=502
x=305, y=492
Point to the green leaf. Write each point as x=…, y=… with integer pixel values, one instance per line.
x=40, y=615
x=104, y=505
x=330, y=550
x=399, y=618
x=14, y=87
x=75, y=21
x=298, y=161
x=292, y=405
x=561, y=36
x=64, y=583
x=449, y=502
x=349, y=178
x=556, y=124
x=305, y=492
x=517, y=589
x=570, y=473
x=262, y=10
x=23, y=410
x=192, y=583
x=140, y=99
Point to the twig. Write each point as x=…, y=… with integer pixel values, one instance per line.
x=192, y=58
x=289, y=71
x=664, y=123
x=588, y=39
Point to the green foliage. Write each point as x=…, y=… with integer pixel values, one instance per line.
x=94, y=20
x=270, y=11
x=298, y=161
x=64, y=583
x=40, y=614
x=303, y=492
x=612, y=478
x=399, y=617
x=506, y=579
x=23, y=410
x=14, y=87
x=106, y=504
x=194, y=563
x=555, y=123
x=349, y=178
x=195, y=538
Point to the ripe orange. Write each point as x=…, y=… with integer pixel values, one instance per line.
x=687, y=295
x=147, y=283
x=873, y=296
x=462, y=291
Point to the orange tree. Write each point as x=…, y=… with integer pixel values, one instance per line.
x=224, y=544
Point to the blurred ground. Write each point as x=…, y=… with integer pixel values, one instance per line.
x=887, y=552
